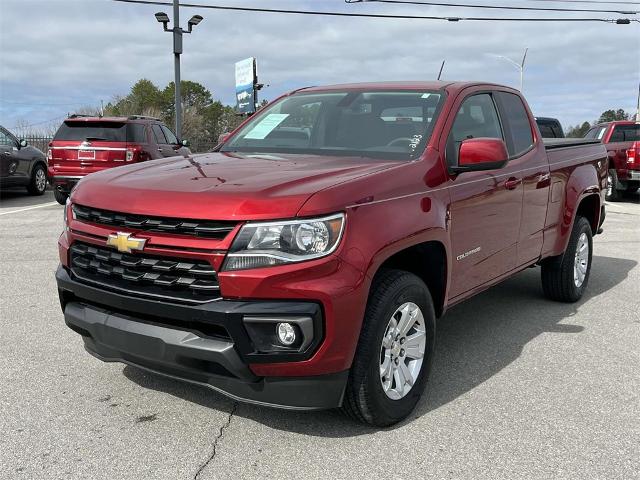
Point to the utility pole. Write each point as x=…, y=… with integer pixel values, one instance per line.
x=177, y=51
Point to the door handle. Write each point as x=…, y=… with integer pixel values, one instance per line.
x=8, y=154
x=512, y=183
x=159, y=149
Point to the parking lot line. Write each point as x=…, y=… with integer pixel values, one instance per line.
x=29, y=208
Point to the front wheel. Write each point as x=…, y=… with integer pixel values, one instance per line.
x=565, y=278
x=393, y=357
x=38, y=183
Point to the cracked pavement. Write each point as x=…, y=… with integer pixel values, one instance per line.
x=521, y=388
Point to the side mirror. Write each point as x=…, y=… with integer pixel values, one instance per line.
x=477, y=154
x=223, y=137
x=185, y=143
x=23, y=143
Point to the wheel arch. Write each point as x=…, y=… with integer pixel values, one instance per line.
x=428, y=260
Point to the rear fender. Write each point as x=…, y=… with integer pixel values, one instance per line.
x=582, y=183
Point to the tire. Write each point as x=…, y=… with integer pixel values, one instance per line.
x=60, y=197
x=365, y=398
x=613, y=194
x=38, y=183
x=561, y=277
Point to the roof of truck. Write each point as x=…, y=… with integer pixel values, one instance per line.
x=405, y=85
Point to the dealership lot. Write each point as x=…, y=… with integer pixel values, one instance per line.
x=521, y=387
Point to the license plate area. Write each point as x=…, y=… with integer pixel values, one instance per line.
x=86, y=154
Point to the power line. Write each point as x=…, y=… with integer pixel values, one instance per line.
x=497, y=7
x=620, y=21
x=586, y=1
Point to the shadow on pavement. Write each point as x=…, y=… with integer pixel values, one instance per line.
x=18, y=197
x=475, y=341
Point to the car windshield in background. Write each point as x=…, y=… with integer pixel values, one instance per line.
x=626, y=133
x=100, y=132
x=389, y=124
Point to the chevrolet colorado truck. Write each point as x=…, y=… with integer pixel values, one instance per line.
x=624, y=165
x=303, y=263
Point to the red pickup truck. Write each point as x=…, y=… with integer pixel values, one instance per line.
x=624, y=164
x=304, y=262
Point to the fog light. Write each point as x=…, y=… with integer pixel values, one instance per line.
x=286, y=333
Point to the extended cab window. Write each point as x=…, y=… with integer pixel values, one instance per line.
x=520, y=137
x=476, y=118
x=390, y=124
x=625, y=133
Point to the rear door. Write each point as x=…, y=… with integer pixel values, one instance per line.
x=528, y=154
x=81, y=147
x=164, y=147
x=485, y=205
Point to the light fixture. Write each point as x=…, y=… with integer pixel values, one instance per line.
x=286, y=333
x=195, y=20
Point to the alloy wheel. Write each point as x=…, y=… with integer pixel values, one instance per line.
x=402, y=351
x=581, y=262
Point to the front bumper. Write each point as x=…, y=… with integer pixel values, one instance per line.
x=190, y=343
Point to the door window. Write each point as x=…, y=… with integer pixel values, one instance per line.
x=520, y=138
x=6, y=140
x=171, y=138
x=158, y=134
x=476, y=118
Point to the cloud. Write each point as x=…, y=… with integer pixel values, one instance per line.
x=59, y=55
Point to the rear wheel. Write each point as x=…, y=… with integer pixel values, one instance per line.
x=565, y=278
x=38, y=183
x=393, y=358
x=60, y=197
x=612, y=194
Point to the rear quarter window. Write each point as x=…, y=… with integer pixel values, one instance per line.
x=519, y=135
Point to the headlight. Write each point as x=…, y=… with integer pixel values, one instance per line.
x=267, y=244
x=67, y=207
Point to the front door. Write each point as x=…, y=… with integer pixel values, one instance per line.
x=485, y=206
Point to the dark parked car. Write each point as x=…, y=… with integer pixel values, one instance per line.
x=549, y=127
x=21, y=165
x=85, y=144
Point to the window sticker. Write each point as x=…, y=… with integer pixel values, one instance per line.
x=266, y=126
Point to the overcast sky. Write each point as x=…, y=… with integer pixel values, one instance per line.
x=58, y=55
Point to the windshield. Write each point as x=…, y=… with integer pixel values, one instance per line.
x=389, y=124
x=101, y=131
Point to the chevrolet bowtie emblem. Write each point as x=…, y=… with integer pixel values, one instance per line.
x=124, y=242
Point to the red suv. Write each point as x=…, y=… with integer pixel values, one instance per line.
x=84, y=145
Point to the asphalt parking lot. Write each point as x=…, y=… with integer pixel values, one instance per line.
x=521, y=387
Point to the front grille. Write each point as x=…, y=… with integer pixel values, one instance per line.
x=198, y=228
x=172, y=278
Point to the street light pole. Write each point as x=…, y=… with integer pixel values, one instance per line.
x=519, y=66
x=177, y=51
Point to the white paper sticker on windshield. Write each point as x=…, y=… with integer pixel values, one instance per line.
x=266, y=126
x=425, y=95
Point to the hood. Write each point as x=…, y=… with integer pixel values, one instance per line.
x=220, y=186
